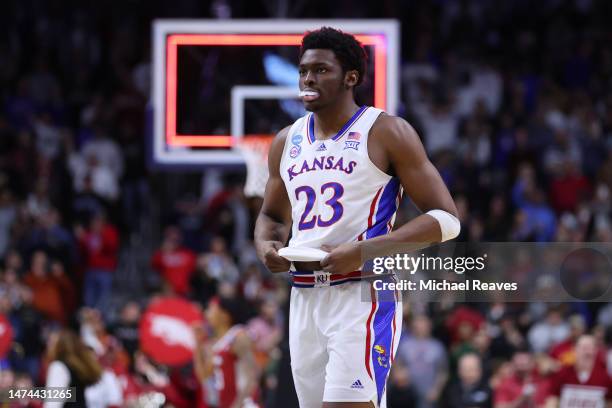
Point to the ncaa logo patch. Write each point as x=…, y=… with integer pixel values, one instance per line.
x=295, y=151
x=297, y=139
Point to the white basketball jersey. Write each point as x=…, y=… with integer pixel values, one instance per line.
x=337, y=194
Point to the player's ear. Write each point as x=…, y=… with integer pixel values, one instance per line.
x=351, y=78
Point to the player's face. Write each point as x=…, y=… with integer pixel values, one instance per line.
x=217, y=316
x=213, y=314
x=321, y=79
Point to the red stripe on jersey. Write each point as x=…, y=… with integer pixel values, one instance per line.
x=368, y=333
x=373, y=208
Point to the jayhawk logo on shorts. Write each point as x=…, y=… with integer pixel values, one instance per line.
x=382, y=355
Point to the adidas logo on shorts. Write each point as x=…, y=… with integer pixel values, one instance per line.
x=357, y=384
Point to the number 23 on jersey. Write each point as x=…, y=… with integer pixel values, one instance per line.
x=308, y=221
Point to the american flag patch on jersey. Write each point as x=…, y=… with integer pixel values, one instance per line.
x=354, y=136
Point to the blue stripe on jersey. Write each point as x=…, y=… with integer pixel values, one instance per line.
x=311, y=135
x=347, y=125
x=387, y=205
x=382, y=346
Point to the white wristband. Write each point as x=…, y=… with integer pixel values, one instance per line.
x=449, y=224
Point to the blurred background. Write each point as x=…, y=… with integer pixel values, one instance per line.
x=512, y=100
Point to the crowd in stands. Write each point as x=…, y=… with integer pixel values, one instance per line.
x=512, y=100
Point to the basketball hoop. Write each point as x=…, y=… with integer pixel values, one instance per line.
x=254, y=150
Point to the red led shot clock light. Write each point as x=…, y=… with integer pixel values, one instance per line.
x=175, y=40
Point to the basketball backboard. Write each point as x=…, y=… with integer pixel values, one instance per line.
x=215, y=82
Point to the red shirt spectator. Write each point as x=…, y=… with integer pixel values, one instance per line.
x=513, y=387
x=100, y=244
x=463, y=316
x=524, y=387
x=566, y=191
x=46, y=294
x=66, y=286
x=567, y=380
x=564, y=352
x=174, y=262
x=586, y=383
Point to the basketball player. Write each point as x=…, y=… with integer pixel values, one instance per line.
x=336, y=177
x=230, y=359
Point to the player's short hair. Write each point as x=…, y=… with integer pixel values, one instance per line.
x=233, y=307
x=348, y=50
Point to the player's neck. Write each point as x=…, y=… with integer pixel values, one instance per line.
x=329, y=120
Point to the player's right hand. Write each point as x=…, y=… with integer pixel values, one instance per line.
x=268, y=253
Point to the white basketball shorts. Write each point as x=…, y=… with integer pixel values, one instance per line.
x=343, y=341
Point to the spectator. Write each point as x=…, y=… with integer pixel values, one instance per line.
x=266, y=330
x=126, y=329
x=74, y=365
x=24, y=381
x=38, y=202
x=203, y=286
x=252, y=283
x=66, y=287
x=54, y=237
x=28, y=324
x=8, y=214
x=551, y=331
x=440, y=122
x=174, y=262
x=522, y=386
x=106, y=151
x=219, y=263
x=89, y=175
x=46, y=293
x=539, y=222
x=400, y=393
x=471, y=389
x=99, y=246
x=569, y=188
x=586, y=383
x=462, y=322
x=7, y=376
x=108, y=349
x=426, y=360
x=509, y=338
x=564, y=352
x=11, y=288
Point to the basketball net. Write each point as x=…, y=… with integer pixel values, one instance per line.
x=254, y=150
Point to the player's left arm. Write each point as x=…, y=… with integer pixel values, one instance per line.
x=420, y=180
x=243, y=348
x=202, y=354
x=402, y=150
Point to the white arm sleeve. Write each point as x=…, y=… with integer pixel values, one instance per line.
x=449, y=224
